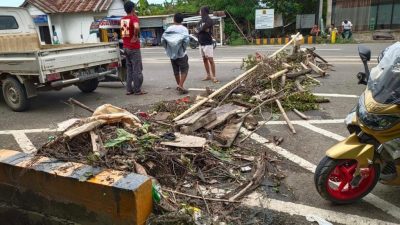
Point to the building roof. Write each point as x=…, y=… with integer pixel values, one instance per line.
x=69, y=6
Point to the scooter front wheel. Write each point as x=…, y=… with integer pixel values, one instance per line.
x=338, y=181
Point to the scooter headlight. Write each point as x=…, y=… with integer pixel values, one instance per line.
x=375, y=121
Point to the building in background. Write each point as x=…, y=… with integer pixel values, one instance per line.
x=367, y=14
x=69, y=21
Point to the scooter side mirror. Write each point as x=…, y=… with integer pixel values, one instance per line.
x=364, y=52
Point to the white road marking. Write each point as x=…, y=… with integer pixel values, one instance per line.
x=300, y=122
x=335, y=95
x=370, y=198
x=281, y=151
x=24, y=143
x=322, y=131
x=257, y=200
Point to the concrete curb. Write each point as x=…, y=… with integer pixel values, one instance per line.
x=73, y=191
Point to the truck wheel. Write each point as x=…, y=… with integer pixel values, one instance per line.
x=334, y=180
x=89, y=85
x=15, y=94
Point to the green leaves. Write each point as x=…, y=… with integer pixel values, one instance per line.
x=122, y=137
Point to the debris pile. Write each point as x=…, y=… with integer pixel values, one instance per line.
x=190, y=148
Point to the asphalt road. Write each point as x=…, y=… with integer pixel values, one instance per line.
x=300, y=152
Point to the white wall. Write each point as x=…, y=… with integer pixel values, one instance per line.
x=57, y=22
x=116, y=8
x=75, y=24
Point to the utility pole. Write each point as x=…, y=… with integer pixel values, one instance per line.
x=321, y=4
x=329, y=13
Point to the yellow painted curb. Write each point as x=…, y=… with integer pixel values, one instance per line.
x=74, y=191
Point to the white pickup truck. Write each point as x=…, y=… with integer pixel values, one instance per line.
x=27, y=67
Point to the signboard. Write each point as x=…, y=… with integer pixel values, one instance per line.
x=264, y=19
x=305, y=21
x=40, y=19
x=110, y=23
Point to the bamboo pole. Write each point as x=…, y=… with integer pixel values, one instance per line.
x=281, y=49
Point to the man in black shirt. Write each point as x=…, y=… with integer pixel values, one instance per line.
x=204, y=31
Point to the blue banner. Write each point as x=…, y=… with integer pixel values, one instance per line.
x=40, y=19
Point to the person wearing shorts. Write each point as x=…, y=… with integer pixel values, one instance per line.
x=204, y=31
x=175, y=41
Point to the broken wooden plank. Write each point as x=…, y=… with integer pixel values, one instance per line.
x=285, y=116
x=193, y=118
x=229, y=134
x=301, y=115
x=186, y=141
x=203, y=121
x=223, y=113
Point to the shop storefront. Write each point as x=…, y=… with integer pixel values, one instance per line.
x=368, y=14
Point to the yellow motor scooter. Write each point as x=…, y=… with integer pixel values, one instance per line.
x=351, y=168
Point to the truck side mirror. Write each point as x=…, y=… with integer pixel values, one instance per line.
x=364, y=52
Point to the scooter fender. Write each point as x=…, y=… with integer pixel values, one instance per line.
x=352, y=148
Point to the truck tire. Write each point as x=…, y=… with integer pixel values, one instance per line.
x=89, y=85
x=15, y=94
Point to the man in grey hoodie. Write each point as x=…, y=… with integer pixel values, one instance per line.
x=175, y=41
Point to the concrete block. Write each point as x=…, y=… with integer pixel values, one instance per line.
x=73, y=191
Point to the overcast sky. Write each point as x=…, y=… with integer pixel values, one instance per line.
x=19, y=2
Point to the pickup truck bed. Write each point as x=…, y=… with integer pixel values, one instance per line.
x=57, y=59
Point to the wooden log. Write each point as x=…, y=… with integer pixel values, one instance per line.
x=304, y=66
x=316, y=69
x=299, y=73
x=301, y=115
x=312, y=52
x=285, y=116
x=322, y=100
x=278, y=74
x=287, y=66
x=203, y=121
x=297, y=82
x=215, y=93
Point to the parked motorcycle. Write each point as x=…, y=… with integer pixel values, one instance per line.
x=352, y=168
x=194, y=42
